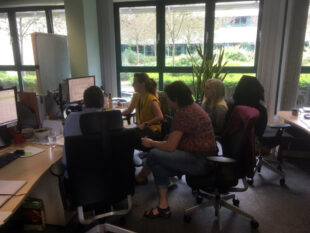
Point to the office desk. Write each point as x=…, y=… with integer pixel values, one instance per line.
x=297, y=121
x=31, y=169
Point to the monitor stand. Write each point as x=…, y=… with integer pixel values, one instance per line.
x=5, y=139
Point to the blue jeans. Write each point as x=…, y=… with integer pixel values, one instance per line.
x=165, y=164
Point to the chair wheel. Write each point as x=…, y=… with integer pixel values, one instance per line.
x=199, y=199
x=250, y=181
x=187, y=218
x=282, y=182
x=279, y=168
x=236, y=202
x=254, y=224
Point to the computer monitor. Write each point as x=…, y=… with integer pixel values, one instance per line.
x=77, y=86
x=8, y=113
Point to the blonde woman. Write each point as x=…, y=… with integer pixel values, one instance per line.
x=215, y=105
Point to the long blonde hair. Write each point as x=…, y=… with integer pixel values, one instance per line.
x=218, y=90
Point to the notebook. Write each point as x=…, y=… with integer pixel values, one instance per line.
x=8, y=188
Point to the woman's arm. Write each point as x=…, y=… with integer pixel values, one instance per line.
x=157, y=112
x=170, y=145
x=129, y=109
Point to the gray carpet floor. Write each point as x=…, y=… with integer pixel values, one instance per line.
x=277, y=209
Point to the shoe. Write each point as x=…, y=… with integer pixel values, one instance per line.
x=162, y=213
x=143, y=182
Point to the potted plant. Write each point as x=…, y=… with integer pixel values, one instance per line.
x=205, y=68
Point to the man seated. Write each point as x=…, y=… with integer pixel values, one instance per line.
x=93, y=101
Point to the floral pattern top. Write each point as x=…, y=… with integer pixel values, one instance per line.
x=198, y=134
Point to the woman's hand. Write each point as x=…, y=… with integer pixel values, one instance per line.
x=147, y=142
x=141, y=126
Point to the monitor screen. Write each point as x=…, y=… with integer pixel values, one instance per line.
x=77, y=86
x=8, y=110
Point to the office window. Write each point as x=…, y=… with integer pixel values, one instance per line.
x=184, y=27
x=138, y=35
x=172, y=77
x=178, y=25
x=30, y=81
x=6, y=54
x=16, y=25
x=27, y=23
x=59, y=22
x=236, y=31
x=8, y=79
x=303, y=92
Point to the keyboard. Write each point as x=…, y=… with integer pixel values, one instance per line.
x=6, y=158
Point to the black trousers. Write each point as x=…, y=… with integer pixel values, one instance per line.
x=146, y=132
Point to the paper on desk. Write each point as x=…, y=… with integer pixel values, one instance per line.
x=30, y=151
x=9, y=188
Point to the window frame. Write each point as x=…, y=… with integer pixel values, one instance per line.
x=161, y=67
x=18, y=66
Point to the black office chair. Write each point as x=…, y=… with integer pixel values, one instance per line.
x=100, y=168
x=250, y=92
x=237, y=163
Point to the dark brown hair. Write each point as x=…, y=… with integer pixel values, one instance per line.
x=180, y=93
x=93, y=97
x=150, y=84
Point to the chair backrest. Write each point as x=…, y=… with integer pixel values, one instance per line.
x=95, y=122
x=99, y=172
x=168, y=113
x=239, y=139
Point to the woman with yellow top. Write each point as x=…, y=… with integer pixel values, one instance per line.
x=148, y=113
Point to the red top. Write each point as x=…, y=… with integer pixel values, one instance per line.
x=198, y=135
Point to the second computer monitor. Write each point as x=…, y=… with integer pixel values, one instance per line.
x=77, y=86
x=8, y=113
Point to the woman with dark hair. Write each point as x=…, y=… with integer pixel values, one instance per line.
x=250, y=92
x=190, y=141
x=215, y=105
x=146, y=103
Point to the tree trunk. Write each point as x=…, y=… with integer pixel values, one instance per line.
x=21, y=40
x=173, y=52
x=137, y=50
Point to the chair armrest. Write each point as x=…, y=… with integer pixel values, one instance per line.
x=280, y=126
x=220, y=159
x=58, y=169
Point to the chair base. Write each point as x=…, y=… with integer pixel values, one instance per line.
x=107, y=227
x=220, y=200
x=263, y=162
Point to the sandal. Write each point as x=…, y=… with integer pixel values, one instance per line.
x=162, y=213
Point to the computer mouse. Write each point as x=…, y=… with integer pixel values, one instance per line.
x=19, y=152
x=307, y=116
